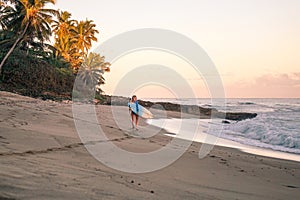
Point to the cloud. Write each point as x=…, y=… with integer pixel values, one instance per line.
x=280, y=80
x=267, y=86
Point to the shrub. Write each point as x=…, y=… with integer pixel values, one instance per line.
x=33, y=76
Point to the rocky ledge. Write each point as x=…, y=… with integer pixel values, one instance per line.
x=189, y=109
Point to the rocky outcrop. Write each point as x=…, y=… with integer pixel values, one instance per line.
x=189, y=109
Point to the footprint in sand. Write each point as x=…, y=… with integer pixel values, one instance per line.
x=3, y=138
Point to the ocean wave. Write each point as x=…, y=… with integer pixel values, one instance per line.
x=261, y=133
x=276, y=126
x=257, y=143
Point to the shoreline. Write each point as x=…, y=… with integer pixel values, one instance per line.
x=42, y=157
x=247, y=148
x=253, y=150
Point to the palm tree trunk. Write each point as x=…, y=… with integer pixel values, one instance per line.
x=13, y=47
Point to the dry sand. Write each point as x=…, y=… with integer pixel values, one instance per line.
x=42, y=157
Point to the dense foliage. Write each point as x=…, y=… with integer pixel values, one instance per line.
x=33, y=66
x=25, y=74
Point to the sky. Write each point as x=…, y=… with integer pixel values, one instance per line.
x=254, y=44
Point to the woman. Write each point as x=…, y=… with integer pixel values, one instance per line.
x=134, y=115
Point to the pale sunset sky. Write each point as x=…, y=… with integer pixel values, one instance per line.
x=255, y=44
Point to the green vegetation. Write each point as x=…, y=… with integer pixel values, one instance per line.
x=31, y=65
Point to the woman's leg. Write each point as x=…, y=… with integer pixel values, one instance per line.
x=132, y=119
x=136, y=121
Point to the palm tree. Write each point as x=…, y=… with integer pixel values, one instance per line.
x=84, y=34
x=69, y=52
x=62, y=28
x=92, y=69
x=73, y=39
x=28, y=17
x=63, y=25
x=3, y=6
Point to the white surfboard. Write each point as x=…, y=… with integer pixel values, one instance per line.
x=143, y=112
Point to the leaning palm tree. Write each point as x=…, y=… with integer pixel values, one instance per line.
x=28, y=17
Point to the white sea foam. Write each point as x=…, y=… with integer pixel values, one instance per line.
x=276, y=127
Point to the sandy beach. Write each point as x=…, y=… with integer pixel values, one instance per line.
x=42, y=157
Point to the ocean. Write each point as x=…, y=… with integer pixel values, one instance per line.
x=276, y=127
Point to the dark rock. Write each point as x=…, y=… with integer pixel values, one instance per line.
x=225, y=122
x=188, y=109
x=240, y=116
